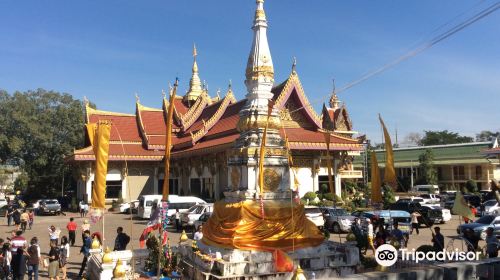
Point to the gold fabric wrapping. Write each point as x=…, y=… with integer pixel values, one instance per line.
x=241, y=226
x=389, y=172
x=99, y=138
x=375, y=182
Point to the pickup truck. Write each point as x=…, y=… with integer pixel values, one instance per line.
x=428, y=216
x=49, y=206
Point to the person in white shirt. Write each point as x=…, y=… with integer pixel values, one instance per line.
x=198, y=235
x=54, y=234
x=370, y=234
x=414, y=221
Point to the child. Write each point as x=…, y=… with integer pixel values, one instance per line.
x=31, y=218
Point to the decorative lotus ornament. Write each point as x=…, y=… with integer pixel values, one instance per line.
x=107, y=258
x=299, y=274
x=183, y=237
x=119, y=271
x=95, y=244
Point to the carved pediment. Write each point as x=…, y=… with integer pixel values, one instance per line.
x=292, y=117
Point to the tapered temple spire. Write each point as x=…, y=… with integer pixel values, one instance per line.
x=195, y=86
x=260, y=70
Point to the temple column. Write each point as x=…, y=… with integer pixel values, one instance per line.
x=452, y=176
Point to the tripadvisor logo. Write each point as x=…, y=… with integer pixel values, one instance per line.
x=387, y=255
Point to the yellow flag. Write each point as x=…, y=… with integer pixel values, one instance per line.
x=328, y=163
x=91, y=131
x=101, y=150
x=460, y=207
x=375, y=182
x=389, y=172
x=168, y=143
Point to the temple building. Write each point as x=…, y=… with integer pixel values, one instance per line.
x=205, y=130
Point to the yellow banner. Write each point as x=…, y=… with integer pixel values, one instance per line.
x=328, y=162
x=240, y=225
x=168, y=143
x=389, y=172
x=460, y=207
x=375, y=181
x=101, y=148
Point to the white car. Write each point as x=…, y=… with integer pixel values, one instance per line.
x=125, y=207
x=315, y=215
x=430, y=198
x=3, y=202
x=446, y=213
x=491, y=207
x=202, y=220
x=192, y=214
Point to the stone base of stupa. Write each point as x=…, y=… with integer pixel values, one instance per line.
x=328, y=260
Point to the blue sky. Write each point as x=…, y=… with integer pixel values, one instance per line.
x=108, y=50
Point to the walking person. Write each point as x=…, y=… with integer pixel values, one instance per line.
x=414, y=222
x=31, y=215
x=437, y=240
x=34, y=258
x=16, y=216
x=25, y=218
x=64, y=255
x=85, y=227
x=177, y=220
x=54, y=234
x=10, y=211
x=122, y=240
x=7, y=258
x=370, y=235
x=492, y=243
x=19, y=265
x=18, y=241
x=71, y=227
x=85, y=250
x=54, y=261
x=198, y=235
x=80, y=208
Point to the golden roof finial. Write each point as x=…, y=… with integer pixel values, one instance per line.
x=294, y=64
x=230, y=85
x=218, y=93
x=163, y=94
x=86, y=101
x=334, y=100
x=195, y=86
x=137, y=99
x=195, y=53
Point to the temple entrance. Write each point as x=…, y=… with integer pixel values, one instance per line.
x=195, y=186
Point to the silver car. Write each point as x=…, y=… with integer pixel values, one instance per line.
x=337, y=219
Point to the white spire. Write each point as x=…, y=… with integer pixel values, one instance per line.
x=260, y=71
x=195, y=86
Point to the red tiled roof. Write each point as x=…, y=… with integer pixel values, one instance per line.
x=208, y=146
x=122, y=127
x=229, y=119
x=154, y=122
x=180, y=107
x=301, y=138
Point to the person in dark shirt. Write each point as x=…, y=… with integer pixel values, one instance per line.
x=18, y=265
x=16, y=216
x=398, y=235
x=10, y=211
x=472, y=240
x=437, y=240
x=85, y=250
x=121, y=241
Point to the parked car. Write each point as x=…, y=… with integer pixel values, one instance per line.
x=194, y=213
x=337, y=219
x=3, y=202
x=491, y=207
x=446, y=213
x=480, y=225
x=428, y=216
x=49, y=206
x=430, y=198
x=202, y=220
x=126, y=206
x=315, y=215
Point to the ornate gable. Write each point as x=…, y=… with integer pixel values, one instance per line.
x=290, y=98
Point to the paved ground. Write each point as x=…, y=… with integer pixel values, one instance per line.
x=135, y=227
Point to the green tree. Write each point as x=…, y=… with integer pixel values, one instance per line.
x=388, y=196
x=487, y=135
x=443, y=137
x=470, y=187
x=428, y=173
x=41, y=128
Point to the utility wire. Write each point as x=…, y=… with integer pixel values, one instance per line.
x=435, y=40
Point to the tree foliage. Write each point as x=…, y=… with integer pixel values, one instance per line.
x=428, y=173
x=388, y=197
x=443, y=137
x=487, y=135
x=470, y=187
x=40, y=127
